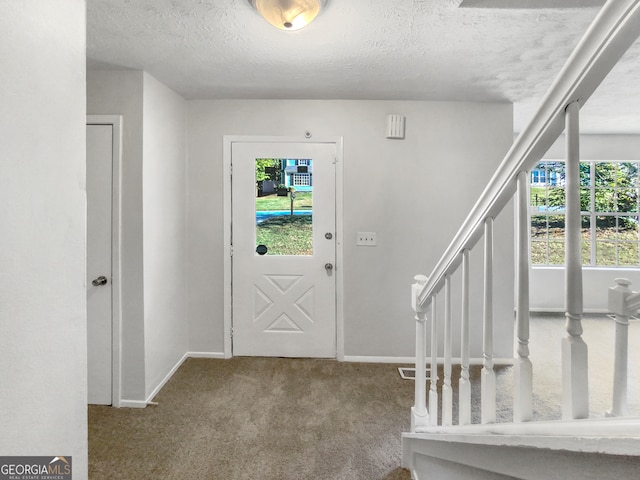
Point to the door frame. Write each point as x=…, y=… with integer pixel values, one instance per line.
x=116, y=239
x=228, y=140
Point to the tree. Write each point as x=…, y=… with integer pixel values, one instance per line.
x=268, y=169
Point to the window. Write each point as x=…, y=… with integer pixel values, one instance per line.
x=284, y=219
x=301, y=180
x=609, y=202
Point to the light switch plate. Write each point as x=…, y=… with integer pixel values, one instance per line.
x=367, y=239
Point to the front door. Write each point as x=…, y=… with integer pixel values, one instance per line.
x=284, y=250
x=99, y=290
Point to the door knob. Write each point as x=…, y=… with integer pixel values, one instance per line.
x=328, y=267
x=101, y=280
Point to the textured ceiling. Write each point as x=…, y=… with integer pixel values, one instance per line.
x=363, y=49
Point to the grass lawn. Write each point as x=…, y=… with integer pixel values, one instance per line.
x=303, y=201
x=286, y=235
x=538, y=196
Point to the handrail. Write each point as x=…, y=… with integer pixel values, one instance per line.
x=612, y=32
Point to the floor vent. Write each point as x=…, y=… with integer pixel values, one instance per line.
x=631, y=318
x=409, y=373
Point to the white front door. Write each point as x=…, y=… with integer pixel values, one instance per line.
x=284, y=288
x=99, y=290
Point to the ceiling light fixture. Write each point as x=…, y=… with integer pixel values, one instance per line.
x=288, y=14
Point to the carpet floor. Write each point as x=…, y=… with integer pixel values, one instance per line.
x=259, y=418
x=306, y=419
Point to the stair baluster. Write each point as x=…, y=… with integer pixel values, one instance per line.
x=488, y=378
x=433, y=386
x=447, y=391
x=575, y=380
x=523, y=370
x=464, y=386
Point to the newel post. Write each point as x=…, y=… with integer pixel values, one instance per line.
x=621, y=300
x=419, y=412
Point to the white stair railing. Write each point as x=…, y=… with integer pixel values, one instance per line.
x=612, y=32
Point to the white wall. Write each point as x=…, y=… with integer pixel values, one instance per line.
x=547, y=283
x=165, y=230
x=154, y=284
x=43, y=392
x=414, y=193
x=121, y=93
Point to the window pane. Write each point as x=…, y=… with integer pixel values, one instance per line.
x=606, y=228
x=538, y=252
x=585, y=200
x=628, y=228
x=604, y=200
x=585, y=174
x=539, y=227
x=556, y=226
x=555, y=173
x=628, y=254
x=284, y=223
x=556, y=199
x=605, y=253
x=586, y=252
x=556, y=252
x=627, y=200
x=605, y=174
x=586, y=239
x=629, y=172
x=539, y=197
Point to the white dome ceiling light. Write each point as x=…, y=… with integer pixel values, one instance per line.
x=288, y=14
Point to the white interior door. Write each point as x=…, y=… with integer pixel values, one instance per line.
x=99, y=286
x=284, y=288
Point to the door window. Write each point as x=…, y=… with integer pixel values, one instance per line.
x=284, y=206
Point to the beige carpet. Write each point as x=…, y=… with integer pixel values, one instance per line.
x=258, y=418
x=279, y=419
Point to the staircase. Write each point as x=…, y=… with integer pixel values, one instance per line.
x=490, y=446
x=587, y=449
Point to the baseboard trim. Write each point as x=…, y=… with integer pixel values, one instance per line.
x=175, y=368
x=143, y=403
x=132, y=404
x=412, y=360
x=218, y=355
x=376, y=359
x=166, y=378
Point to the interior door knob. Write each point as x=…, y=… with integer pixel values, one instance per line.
x=101, y=280
x=328, y=267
